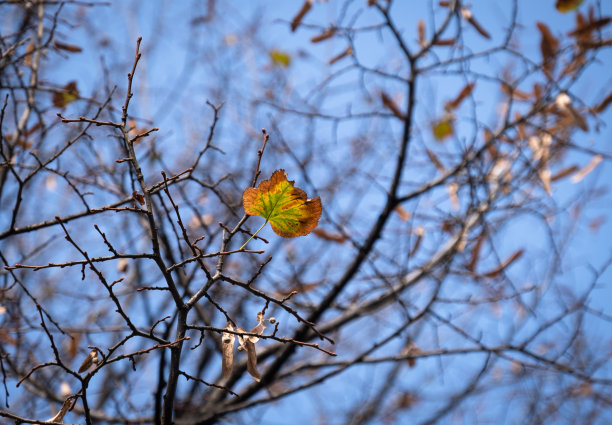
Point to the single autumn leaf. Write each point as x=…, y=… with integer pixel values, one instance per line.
x=286, y=207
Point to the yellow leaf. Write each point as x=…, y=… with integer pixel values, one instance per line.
x=443, y=128
x=286, y=207
x=280, y=58
x=565, y=6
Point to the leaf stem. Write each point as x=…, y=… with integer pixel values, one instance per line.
x=254, y=234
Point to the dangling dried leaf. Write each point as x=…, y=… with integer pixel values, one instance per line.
x=328, y=236
x=444, y=41
x=548, y=47
x=91, y=360
x=69, y=93
x=495, y=272
x=73, y=345
x=67, y=47
x=564, y=103
x=515, y=93
x=390, y=104
x=347, y=52
x=453, y=187
x=565, y=6
x=259, y=328
x=227, y=347
x=587, y=169
x=419, y=231
x=411, y=349
x=280, y=58
x=138, y=197
x=286, y=207
x=465, y=92
x=252, y=360
x=435, y=161
x=297, y=20
x=123, y=265
x=471, y=266
x=544, y=174
x=329, y=33
x=500, y=170
x=403, y=214
x=564, y=173
x=467, y=15
x=422, y=40
x=589, y=27
x=65, y=407
x=27, y=58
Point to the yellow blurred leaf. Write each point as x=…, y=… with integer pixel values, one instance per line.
x=565, y=6
x=443, y=128
x=280, y=58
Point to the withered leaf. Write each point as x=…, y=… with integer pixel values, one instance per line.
x=444, y=41
x=435, y=161
x=347, y=52
x=286, y=207
x=66, y=95
x=419, y=231
x=548, y=46
x=453, y=188
x=495, y=272
x=564, y=173
x=297, y=20
x=390, y=104
x=259, y=328
x=252, y=360
x=421, y=29
x=329, y=33
x=59, y=417
x=467, y=15
x=471, y=266
x=27, y=59
x=328, y=236
x=590, y=26
x=227, y=346
x=564, y=102
x=587, y=169
x=545, y=176
x=138, y=197
x=463, y=94
x=403, y=214
x=68, y=47
x=91, y=359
